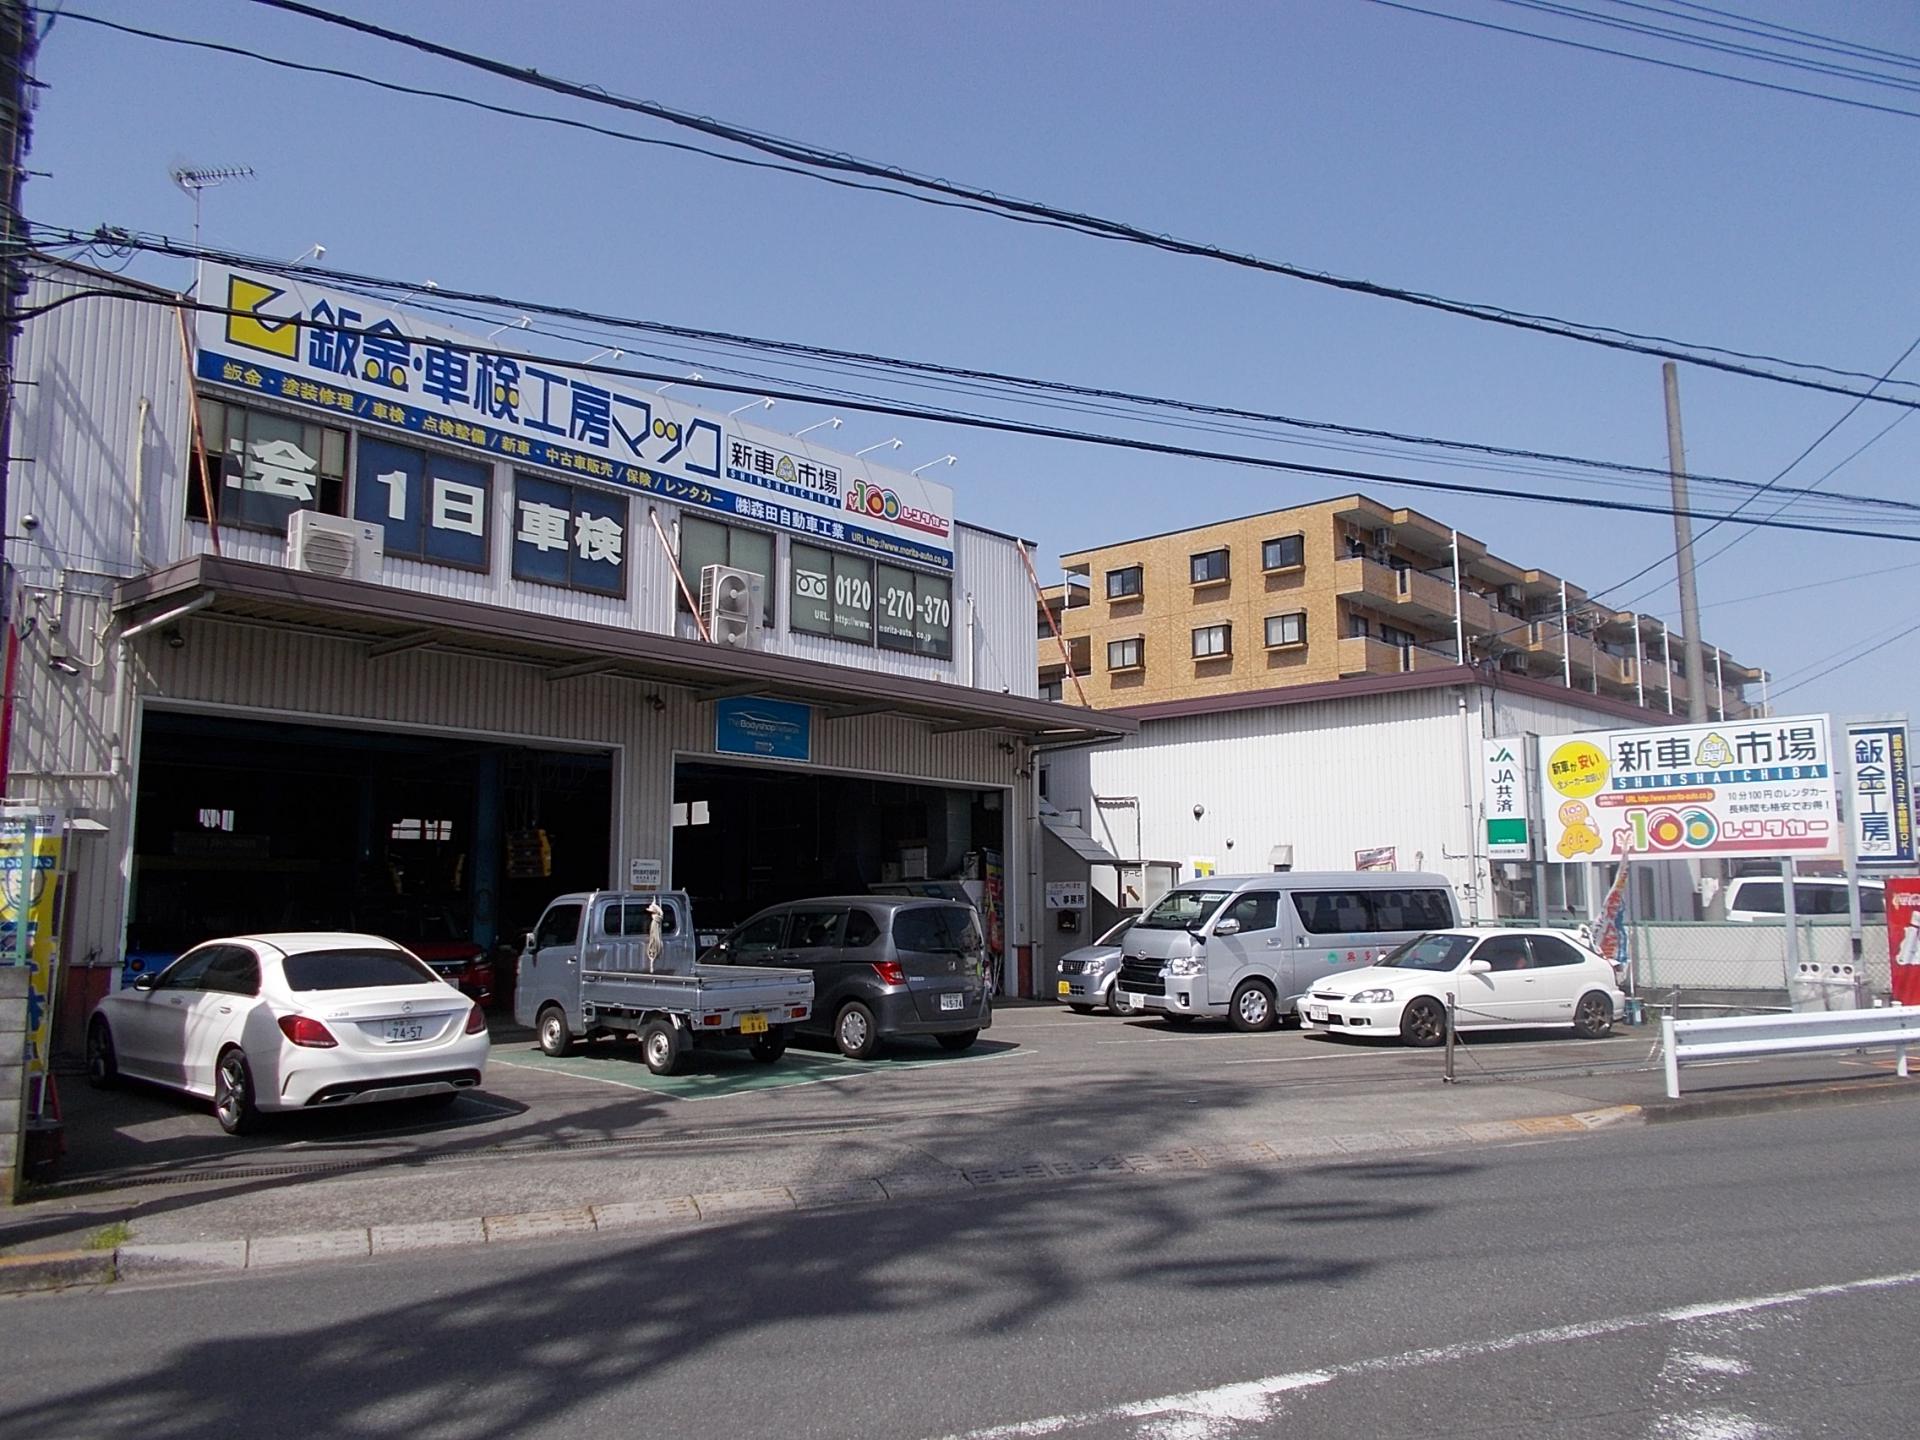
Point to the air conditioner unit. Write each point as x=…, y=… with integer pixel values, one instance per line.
x=730, y=606
x=1515, y=662
x=334, y=545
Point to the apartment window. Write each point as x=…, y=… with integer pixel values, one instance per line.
x=1209, y=566
x=1049, y=690
x=1288, y=552
x=706, y=542
x=1393, y=635
x=1287, y=629
x=1358, y=626
x=1212, y=641
x=265, y=467
x=1124, y=584
x=1125, y=654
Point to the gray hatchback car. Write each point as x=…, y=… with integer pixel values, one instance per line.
x=883, y=966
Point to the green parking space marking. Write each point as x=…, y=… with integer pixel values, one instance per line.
x=715, y=1074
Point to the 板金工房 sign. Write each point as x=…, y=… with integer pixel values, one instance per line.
x=1879, y=786
x=1750, y=788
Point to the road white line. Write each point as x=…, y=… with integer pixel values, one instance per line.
x=1217, y=1413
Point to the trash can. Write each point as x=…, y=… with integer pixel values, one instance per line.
x=1841, y=986
x=1807, y=987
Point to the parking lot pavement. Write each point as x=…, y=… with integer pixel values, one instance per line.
x=1045, y=1095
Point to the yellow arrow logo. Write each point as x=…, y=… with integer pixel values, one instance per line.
x=275, y=336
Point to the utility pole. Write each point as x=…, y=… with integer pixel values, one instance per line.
x=1683, y=551
x=17, y=44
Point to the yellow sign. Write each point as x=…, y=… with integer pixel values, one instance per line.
x=29, y=879
x=272, y=334
x=1578, y=769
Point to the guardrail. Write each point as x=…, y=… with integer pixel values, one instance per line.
x=1687, y=1042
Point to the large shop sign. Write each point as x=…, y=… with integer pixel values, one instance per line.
x=352, y=359
x=1747, y=788
x=1881, y=791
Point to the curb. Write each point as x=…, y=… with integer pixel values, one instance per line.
x=56, y=1270
x=204, y=1259
x=1712, y=1106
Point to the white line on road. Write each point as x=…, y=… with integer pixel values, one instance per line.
x=1217, y=1413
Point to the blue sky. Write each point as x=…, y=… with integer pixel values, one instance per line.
x=1348, y=138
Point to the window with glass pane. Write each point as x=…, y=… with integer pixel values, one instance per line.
x=1208, y=566
x=1283, y=553
x=1123, y=654
x=1287, y=629
x=1124, y=584
x=809, y=599
x=897, y=608
x=933, y=616
x=1212, y=640
x=265, y=467
x=852, y=599
x=705, y=542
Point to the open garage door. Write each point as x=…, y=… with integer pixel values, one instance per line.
x=251, y=825
x=747, y=836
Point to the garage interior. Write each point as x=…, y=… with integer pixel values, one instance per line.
x=248, y=825
x=749, y=836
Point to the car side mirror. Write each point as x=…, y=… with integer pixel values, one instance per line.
x=1479, y=967
x=145, y=982
x=527, y=946
x=1227, y=927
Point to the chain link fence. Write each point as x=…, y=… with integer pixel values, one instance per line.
x=1703, y=965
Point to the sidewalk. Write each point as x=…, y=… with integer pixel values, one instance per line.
x=585, y=1155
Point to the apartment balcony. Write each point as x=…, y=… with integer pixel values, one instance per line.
x=1413, y=597
x=1367, y=655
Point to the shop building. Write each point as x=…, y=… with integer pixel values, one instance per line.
x=329, y=617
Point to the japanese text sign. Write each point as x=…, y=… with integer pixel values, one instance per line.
x=1504, y=774
x=29, y=877
x=1749, y=788
x=356, y=360
x=1879, y=787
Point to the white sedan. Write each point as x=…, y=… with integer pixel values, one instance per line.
x=1512, y=978
x=290, y=1022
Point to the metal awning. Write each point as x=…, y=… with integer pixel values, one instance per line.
x=1079, y=841
x=392, y=620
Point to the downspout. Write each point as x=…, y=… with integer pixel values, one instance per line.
x=1466, y=790
x=1639, y=668
x=1459, y=628
x=1566, y=640
x=139, y=478
x=1719, y=687
x=1666, y=661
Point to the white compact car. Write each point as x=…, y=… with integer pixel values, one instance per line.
x=1513, y=978
x=291, y=1022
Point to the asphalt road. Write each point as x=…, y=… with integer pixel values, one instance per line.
x=1710, y=1280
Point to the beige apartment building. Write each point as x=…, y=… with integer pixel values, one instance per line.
x=1342, y=589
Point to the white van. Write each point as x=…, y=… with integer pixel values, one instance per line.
x=1760, y=898
x=1247, y=947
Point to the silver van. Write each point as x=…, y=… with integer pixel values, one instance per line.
x=1247, y=947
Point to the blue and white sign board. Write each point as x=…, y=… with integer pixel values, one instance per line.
x=765, y=729
x=1880, y=789
x=356, y=360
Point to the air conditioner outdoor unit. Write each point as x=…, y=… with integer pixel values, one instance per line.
x=1515, y=662
x=334, y=545
x=730, y=606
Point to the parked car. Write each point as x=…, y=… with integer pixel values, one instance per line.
x=1244, y=948
x=1088, y=973
x=291, y=1022
x=1760, y=898
x=436, y=934
x=883, y=966
x=1514, y=978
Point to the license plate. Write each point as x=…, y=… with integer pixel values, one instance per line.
x=753, y=1023
x=1317, y=1013
x=406, y=1030
x=952, y=1002
x=1065, y=988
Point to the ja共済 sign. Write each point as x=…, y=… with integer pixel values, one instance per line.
x=1748, y=788
x=355, y=360
x=1503, y=771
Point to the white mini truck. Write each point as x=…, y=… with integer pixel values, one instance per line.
x=614, y=962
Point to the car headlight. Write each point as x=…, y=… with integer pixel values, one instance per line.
x=1191, y=965
x=1371, y=997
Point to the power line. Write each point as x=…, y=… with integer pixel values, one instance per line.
x=1871, y=648
x=922, y=187
x=992, y=423
x=382, y=287
x=1622, y=55
x=1823, y=42
x=1874, y=574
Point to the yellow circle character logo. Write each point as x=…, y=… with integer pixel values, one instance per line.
x=1577, y=769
